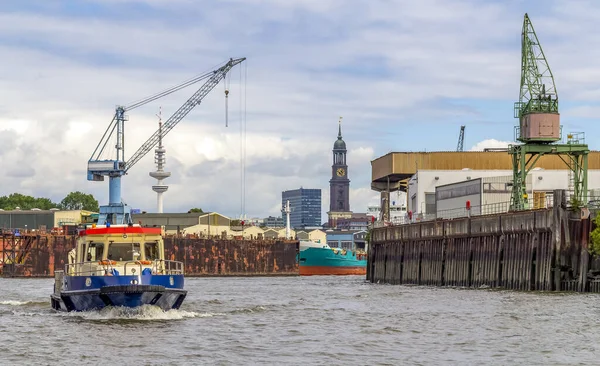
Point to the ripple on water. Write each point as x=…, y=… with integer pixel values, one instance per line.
x=307, y=321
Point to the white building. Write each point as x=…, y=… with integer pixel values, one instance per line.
x=496, y=184
x=397, y=207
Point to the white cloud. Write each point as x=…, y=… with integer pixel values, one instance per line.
x=490, y=144
x=402, y=74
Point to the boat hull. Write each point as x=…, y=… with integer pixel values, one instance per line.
x=324, y=271
x=118, y=295
x=137, y=276
x=82, y=293
x=320, y=259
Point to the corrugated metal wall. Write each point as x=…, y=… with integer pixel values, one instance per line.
x=406, y=163
x=9, y=220
x=40, y=255
x=233, y=257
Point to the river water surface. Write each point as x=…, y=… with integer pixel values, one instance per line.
x=318, y=320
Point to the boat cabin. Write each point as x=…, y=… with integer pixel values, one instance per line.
x=117, y=249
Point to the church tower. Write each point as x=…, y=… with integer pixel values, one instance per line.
x=339, y=184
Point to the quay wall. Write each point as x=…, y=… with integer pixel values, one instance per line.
x=29, y=255
x=540, y=250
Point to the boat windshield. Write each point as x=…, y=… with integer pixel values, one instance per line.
x=124, y=251
x=151, y=250
x=94, y=251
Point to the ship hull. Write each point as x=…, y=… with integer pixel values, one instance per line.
x=101, y=291
x=318, y=259
x=325, y=271
x=130, y=296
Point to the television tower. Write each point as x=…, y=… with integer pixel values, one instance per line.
x=159, y=174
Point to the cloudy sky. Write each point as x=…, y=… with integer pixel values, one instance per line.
x=403, y=74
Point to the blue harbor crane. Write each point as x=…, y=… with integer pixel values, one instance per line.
x=117, y=212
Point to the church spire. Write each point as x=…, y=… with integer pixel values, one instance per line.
x=339, y=144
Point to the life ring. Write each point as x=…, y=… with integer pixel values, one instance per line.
x=143, y=262
x=106, y=262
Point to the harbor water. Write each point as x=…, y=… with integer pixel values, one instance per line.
x=318, y=320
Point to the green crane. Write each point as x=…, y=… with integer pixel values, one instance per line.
x=539, y=126
x=538, y=91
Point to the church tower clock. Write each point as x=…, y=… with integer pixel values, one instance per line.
x=339, y=184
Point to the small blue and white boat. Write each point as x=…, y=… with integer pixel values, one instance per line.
x=118, y=265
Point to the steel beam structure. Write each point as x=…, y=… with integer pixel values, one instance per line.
x=525, y=157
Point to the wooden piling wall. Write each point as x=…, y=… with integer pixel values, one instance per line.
x=541, y=250
x=29, y=255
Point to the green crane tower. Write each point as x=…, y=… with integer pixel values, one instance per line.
x=539, y=127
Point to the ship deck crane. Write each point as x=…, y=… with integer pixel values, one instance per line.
x=116, y=212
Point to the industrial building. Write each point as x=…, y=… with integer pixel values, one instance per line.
x=391, y=173
x=444, y=193
x=272, y=221
x=198, y=223
x=358, y=221
x=315, y=235
x=305, y=207
x=43, y=220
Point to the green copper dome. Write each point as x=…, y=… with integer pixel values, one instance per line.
x=339, y=144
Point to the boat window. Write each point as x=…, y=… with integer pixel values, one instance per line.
x=94, y=252
x=151, y=250
x=124, y=251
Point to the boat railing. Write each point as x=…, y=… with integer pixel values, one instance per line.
x=88, y=268
x=106, y=267
x=163, y=266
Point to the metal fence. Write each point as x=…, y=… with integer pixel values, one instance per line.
x=538, y=201
x=486, y=209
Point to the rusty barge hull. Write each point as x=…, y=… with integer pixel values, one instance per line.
x=30, y=255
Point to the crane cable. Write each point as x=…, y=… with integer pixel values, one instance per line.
x=245, y=125
x=193, y=80
x=242, y=116
x=226, y=83
x=241, y=153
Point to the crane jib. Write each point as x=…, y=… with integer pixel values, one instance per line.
x=115, y=168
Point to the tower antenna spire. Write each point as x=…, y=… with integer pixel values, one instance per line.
x=159, y=159
x=340, y=128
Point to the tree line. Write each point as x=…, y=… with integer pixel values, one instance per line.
x=73, y=201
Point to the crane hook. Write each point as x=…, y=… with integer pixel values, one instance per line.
x=226, y=107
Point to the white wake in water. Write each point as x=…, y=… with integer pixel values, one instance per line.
x=15, y=302
x=146, y=312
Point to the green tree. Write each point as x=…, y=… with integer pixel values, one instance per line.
x=24, y=202
x=79, y=201
x=193, y=210
x=595, y=238
x=368, y=236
